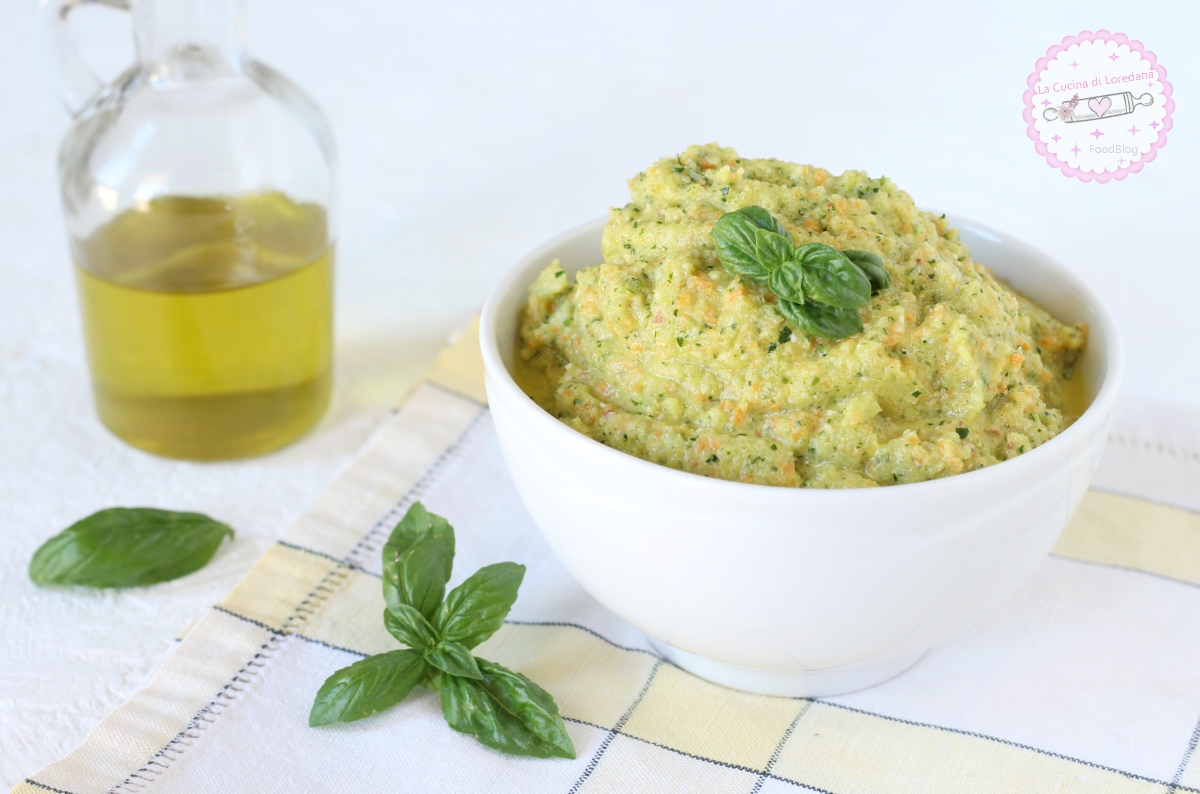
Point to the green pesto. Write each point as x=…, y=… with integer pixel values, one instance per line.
x=662, y=353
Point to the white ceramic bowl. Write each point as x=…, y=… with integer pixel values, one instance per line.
x=788, y=591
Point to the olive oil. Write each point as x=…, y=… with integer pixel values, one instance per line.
x=1073, y=392
x=208, y=323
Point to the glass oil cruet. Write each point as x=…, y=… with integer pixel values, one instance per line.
x=198, y=194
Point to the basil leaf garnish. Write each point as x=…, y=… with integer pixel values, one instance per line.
x=507, y=712
x=772, y=249
x=418, y=576
x=737, y=246
x=452, y=658
x=788, y=281
x=417, y=524
x=753, y=244
x=804, y=249
x=128, y=547
x=367, y=686
x=821, y=320
x=475, y=609
x=872, y=265
x=409, y=626
x=764, y=220
x=833, y=279
x=503, y=709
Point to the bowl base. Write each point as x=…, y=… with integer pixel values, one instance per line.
x=800, y=683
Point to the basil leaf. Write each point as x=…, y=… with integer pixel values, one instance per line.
x=416, y=525
x=772, y=249
x=475, y=609
x=833, y=279
x=821, y=320
x=737, y=248
x=366, y=687
x=128, y=547
x=418, y=576
x=751, y=242
x=452, y=658
x=804, y=249
x=409, y=626
x=418, y=580
x=788, y=281
x=764, y=220
x=507, y=712
x=872, y=265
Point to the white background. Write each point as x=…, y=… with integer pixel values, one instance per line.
x=470, y=132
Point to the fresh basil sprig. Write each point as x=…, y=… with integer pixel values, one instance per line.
x=128, y=547
x=501, y=709
x=819, y=287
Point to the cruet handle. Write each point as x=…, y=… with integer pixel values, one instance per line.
x=77, y=83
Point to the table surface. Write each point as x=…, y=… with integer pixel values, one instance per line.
x=468, y=133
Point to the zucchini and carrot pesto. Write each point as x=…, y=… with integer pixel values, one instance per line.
x=767, y=322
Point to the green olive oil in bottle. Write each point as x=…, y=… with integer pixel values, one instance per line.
x=208, y=323
x=198, y=195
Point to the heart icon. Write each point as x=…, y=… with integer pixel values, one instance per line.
x=1100, y=105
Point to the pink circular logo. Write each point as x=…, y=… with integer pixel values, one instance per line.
x=1098, y=106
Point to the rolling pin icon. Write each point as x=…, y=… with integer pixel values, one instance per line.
x=1095, y=107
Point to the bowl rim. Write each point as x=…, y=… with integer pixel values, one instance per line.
x=1097, y=412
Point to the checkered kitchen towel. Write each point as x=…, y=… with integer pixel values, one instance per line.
x=1086, y=680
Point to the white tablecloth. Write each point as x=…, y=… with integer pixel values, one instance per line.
x=469, y=132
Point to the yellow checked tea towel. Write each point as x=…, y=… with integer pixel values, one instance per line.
x=1086, y=680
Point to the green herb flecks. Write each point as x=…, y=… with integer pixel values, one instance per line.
x=501, y=709
x=819, y=287
x=128, y=547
